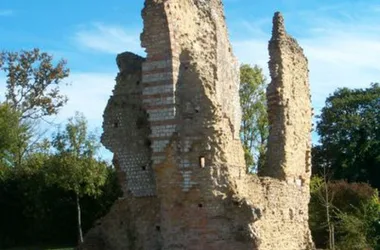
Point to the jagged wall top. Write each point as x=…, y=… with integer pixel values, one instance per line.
x=289, y=108
x=172, y=124
x=188, y=51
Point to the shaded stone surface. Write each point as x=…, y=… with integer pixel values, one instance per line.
x=173, y=125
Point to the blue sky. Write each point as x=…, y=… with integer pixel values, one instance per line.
x=340, y=38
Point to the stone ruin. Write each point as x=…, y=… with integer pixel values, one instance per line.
x=173, y=125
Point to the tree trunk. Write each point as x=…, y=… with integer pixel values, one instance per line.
x=80, y=234
x=327, y=205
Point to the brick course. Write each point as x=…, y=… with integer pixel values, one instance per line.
x=175, y=139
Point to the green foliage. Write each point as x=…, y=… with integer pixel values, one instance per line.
x=350, y=149
x=82, y=176
x=8, y=132
x=32, y=86
x=254, y=127
x=34, y=212
x=41, y=181
x=358, y=229
x=355, y=214
x=74, y=167
x=349, y=129
x=316, y=183
x=14, y=136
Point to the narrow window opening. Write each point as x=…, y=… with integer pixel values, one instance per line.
x=158, y=228
x=200, y=205
x=115, y=124
x=138, y=82
x=143, y=168
x=202, y=162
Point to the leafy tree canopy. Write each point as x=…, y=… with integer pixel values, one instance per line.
x=349, y=129
x=355, y=214
x=74, y=167
x=14, y=136
x=254, y=126
x=32, y=85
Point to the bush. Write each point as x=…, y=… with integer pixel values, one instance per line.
x=35, y=213
x=354, y=213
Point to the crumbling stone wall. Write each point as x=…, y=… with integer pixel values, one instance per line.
x=181, y=121
x=126, y=128
x=289, y=108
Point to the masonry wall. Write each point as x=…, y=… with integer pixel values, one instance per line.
x=289, y=108
x=126, y=129
x=191, y=210
x=194, y=192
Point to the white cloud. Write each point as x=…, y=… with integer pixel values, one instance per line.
x=340, y=55
x=253, y=51
x=108, y=39
x=341, y=61
x=88, y=93
x=6, y=12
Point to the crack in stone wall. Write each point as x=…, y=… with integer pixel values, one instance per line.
x=175, y=139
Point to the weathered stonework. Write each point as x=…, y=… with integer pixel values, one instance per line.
x=126, y=128
x=173, y=124
x=289, y=108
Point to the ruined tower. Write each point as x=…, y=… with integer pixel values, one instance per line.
x=289, y=108
x=173, y=125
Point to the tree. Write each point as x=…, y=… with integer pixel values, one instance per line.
x=74, y=167
x=353, y=217
x=32, y=85
x=349, y=130
x=254, y=126
x=32, y=92
x=320, y=212
x=14, y=136
x=360, y=228
x=33, y=212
